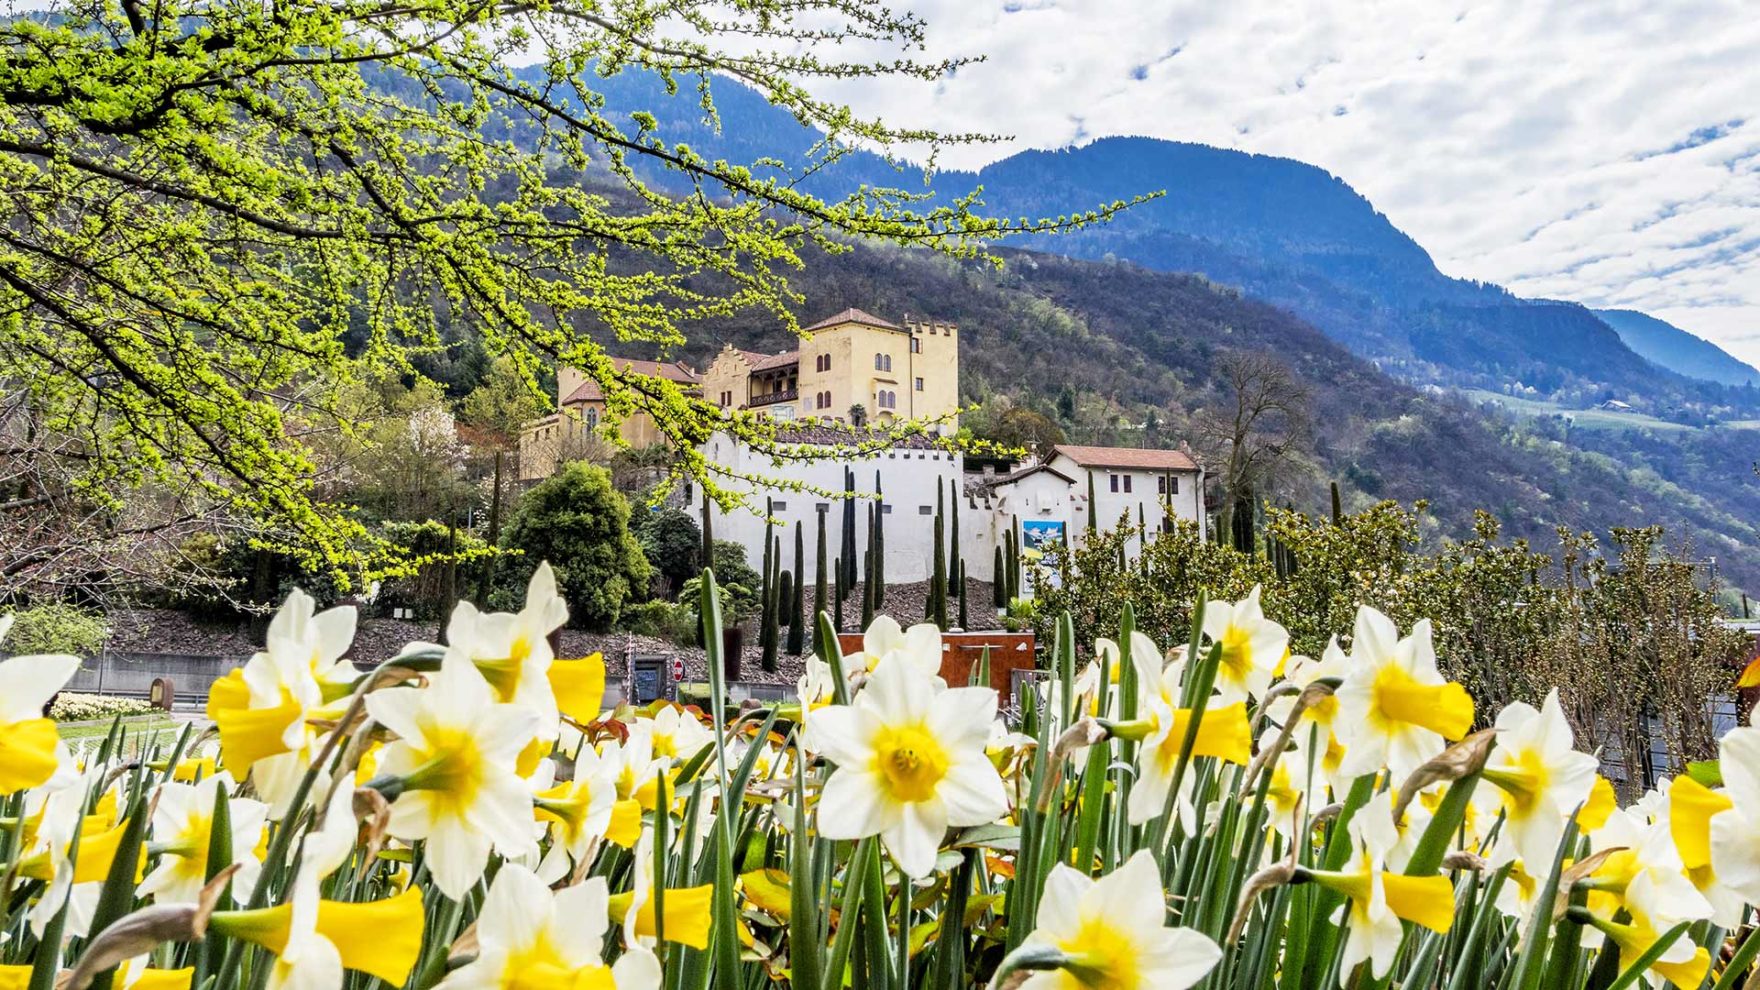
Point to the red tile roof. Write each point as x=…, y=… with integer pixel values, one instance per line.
x=853, y=315
x=765, y=362
x=1130, y=458
x=672, y=371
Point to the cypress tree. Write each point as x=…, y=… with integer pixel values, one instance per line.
x=1337, y=506
x=848, y=554
x=708, y=534
x=796, y=621
x=840, y=592
x=767, y=587
x=784, y=599
x=1093, y=508
x=938, y=580
x=867, y=590
x=772, y=632
x=965, y=621
x=879, y=545
x=953, y=550
x=998, y=579
x=822, y=576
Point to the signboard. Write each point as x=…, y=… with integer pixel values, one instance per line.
x=651, y=679
x=1041, y=534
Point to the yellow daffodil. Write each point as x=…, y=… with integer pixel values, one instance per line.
x=883, y=640
x=1395, y=709
x=1224, y=733
x=315, y=939
x=531, y=937
x=910, y=763
x=675, y=735
x=183, y=822
x=579, y=812
x=1735, y=833
x=262, y=710
x=1253, y=647
x=1541, y=777
x=1682, y=964
x=30, y=748
x=454, y=763
x=1113, y=933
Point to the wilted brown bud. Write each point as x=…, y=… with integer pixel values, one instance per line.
x=141, y=932
x=1465, y=757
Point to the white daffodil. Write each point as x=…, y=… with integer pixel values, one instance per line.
x=1735, y=833
x=183, y=822
x=1542, y=780
x=910, y=763
x=529, y=936
x=262, y=710
x=1224, y=733
x=1645, y=851
x=329, y=846
x=686, y=914
x=676, y=735
x=307, y=960
x=883, y=640
x=1253, y=647
x=578, y=812
x=31, y=750
x=1395, y=709
x=454, y=762
x=315, y=940
x=1113, y=933
x=1378, y=899
x=512, y=650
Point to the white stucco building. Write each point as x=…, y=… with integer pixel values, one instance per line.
x=909, y=473
x=1047, y=501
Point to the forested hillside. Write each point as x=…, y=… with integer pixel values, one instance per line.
x=1116, y=353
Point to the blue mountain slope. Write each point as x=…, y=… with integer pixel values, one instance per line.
x=1282, y=230
x=1676, y=349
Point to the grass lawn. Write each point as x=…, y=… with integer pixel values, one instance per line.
x=140, y=732
x=1582, y=419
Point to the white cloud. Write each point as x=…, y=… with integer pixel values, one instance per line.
x=1606, y=151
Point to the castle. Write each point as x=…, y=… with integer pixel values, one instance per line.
x=854, y=370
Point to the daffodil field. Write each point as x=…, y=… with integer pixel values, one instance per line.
x=1212, y=813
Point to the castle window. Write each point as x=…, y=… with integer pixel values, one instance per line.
x=1114, y=479
x=1127, y=483
x=779, y=507
x=916, y=345
x=919, y=384
x=925, y=510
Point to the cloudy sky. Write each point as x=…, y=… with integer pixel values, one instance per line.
x=1605, y=151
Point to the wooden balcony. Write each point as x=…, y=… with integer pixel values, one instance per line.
x=771, y=398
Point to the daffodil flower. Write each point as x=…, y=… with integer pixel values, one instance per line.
x=1682, y=964
x=530, y=937
x=675, y=735
x=262, y=710
x=578, y=812
x=1113, y=933
x=1542, y=780
x=453, y=764
x=1735, y=833
x=314, y=940
x=884, y=640
x=1377, y=900
x=1253, y=647
x=183, y=822
x=910, y=763
x=1224, y=733
x=1641, y=856
x=30, y=748
x=1395, y=709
